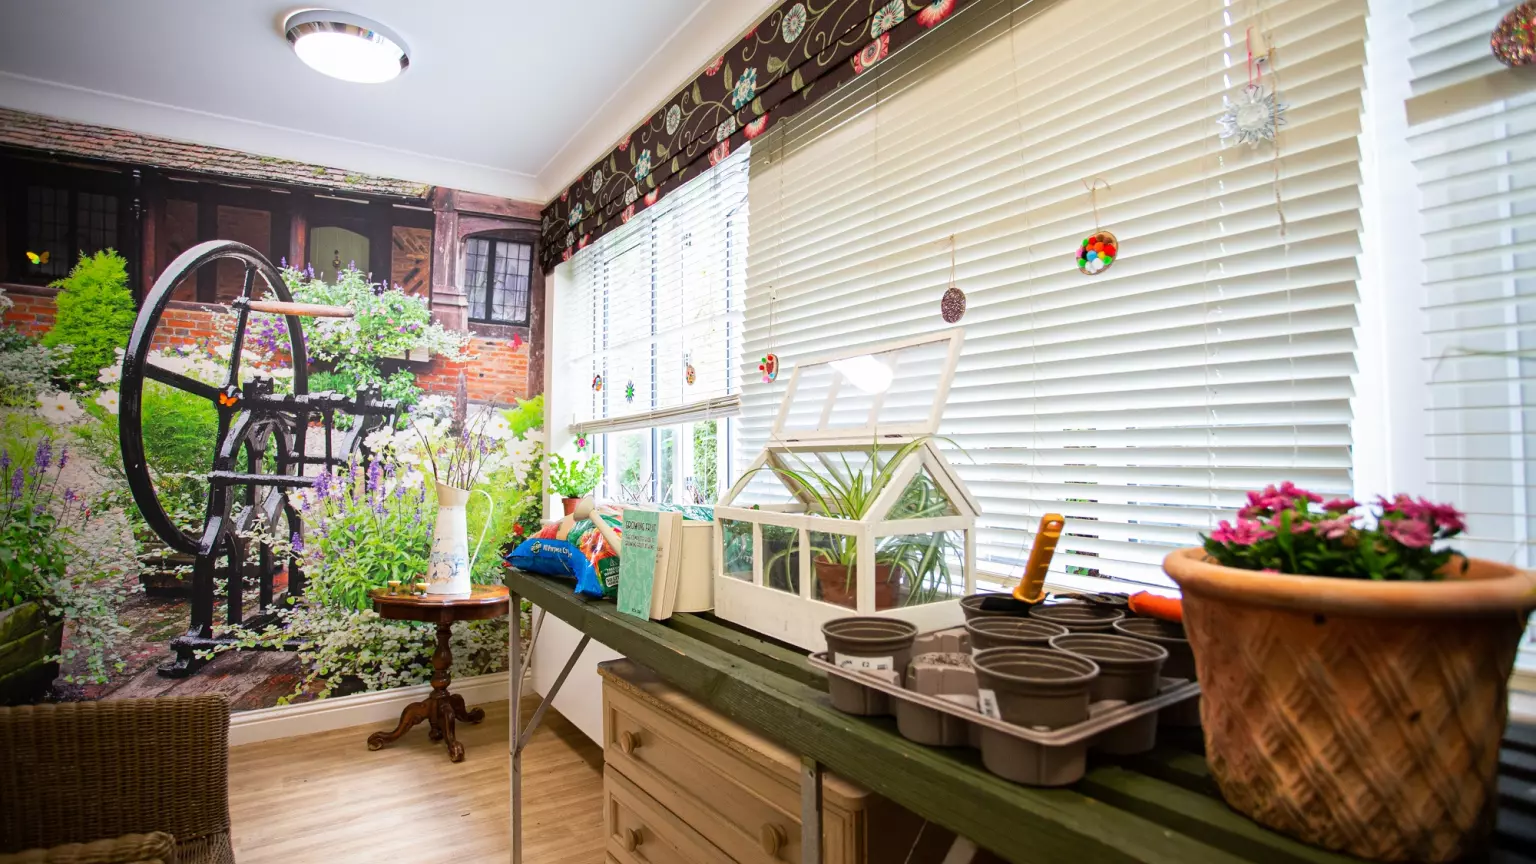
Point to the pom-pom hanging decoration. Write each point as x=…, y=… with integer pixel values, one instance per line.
x=1100, y=249
x=1097, y=252
x=1514, y=40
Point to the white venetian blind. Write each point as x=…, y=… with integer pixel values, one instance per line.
x=661, y=294
x=1215, y=355
x=1476, y=158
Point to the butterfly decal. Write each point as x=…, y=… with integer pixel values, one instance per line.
x=228, y=401
x=38, y=257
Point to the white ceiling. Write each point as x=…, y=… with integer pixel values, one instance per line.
x=511, y=97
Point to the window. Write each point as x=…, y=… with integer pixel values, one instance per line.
x=1472, y=134
x=63, y=223
x=496, y=275
x=1214, y=357
x=655, y=313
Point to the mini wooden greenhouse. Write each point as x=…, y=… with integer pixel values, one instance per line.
x=852, y=507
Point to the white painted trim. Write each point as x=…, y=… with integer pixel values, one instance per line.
x=382, y=707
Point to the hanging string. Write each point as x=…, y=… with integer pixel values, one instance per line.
x=951, y=260
x=1093, y=197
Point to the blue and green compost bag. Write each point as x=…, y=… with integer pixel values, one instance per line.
x=580, y=552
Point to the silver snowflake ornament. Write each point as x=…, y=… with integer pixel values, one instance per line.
x=1253, y=117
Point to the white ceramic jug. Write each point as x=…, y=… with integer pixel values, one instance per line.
x=450, y=560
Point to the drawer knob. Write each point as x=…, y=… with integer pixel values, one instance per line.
x=773, y=838
x=632, y=839
x=628, y=742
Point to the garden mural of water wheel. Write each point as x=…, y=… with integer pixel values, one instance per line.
x=262, y=451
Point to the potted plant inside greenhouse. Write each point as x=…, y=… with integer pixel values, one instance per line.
x=852, y=505
x=1348, y=668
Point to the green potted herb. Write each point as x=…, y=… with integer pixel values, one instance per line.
x=1353, y=671
x=574, y=479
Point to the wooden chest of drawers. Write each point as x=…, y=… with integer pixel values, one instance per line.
x=683, y=784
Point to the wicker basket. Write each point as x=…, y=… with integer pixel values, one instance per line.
x=1358, y=716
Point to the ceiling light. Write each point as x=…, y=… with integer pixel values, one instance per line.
x=346, y=46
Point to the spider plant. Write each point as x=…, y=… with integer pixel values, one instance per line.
x=848, y=490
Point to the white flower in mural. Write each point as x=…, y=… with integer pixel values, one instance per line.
x=631, y=194
x=794, y=23
x=107, y=399
x=886, y=17
x=59, y=408
x=746, y=87
x=724, y=130
x=674, y=118
x=114, y=373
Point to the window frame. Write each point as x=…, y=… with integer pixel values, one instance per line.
x=20, y=174
x=496, y=240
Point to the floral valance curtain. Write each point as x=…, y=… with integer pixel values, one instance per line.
x=800, y=53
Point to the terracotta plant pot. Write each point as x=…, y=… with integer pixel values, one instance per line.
x=870, y=644
x=836, y=584
x=1357, y=715
x=1019, y=632
x=569, y=504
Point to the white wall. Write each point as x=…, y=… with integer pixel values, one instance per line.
x=580, y=699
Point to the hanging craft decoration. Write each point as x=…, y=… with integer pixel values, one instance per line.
x=1100, y=249
x=1514, y=40
x=769, y=366
x=1257, y=114
x=597, y=383
x=581, y=441
x=689, y=375
x=629, y=392
x=952, y=304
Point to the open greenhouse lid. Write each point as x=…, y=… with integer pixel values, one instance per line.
x=890, y=391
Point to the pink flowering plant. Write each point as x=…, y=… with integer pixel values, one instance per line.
x=1287, y=529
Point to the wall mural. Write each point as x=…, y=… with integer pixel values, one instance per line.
x=800, y=53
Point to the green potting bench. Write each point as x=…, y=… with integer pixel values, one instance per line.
x=1160, y=807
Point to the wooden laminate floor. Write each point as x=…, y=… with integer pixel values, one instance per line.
x=327, y=799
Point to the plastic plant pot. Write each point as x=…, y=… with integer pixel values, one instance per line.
x=1079, y=617
x=1181, y=663
x=866, y=643
x=970, y=606
x=1039, y=688
x=1130, y=671
x=1017, y=632
x=1181, y=658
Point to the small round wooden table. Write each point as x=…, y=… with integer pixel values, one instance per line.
x=440, y=709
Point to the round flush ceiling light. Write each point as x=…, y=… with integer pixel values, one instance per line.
x=346, y=46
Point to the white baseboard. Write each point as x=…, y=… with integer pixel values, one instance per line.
x=323, y=715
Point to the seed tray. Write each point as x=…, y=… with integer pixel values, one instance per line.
x=1034, y=756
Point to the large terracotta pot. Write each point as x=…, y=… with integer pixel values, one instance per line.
x=1357, y=715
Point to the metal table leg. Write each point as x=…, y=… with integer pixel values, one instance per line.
x=810, y=811
x=515, y=708
x=518, y=735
